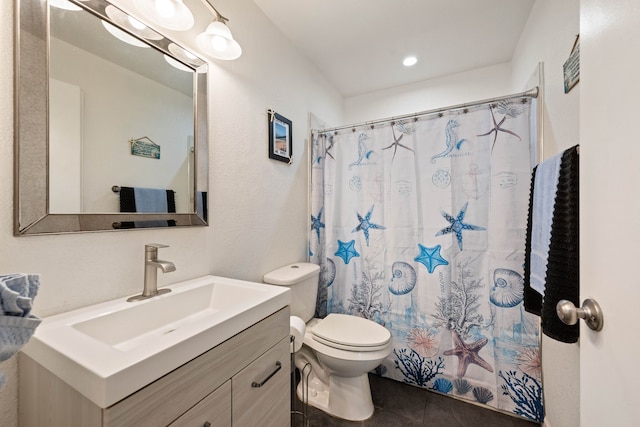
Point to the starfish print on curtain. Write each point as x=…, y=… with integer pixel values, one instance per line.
x=497, y=127
x=316, y=222
x=467, y=354
x=365, y=225
x=457, y=226
x=347, y=250
x=396, y=140
x=329, y=146
x=430, y=257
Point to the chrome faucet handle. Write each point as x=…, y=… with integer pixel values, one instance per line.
x=156, y=246
x=151, y=250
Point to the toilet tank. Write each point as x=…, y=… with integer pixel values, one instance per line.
x=302, y=280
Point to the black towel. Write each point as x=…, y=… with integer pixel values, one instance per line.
x=562, y=280
x=202, y=205
x=127, y=199
x=171, y=201
x=532, y=299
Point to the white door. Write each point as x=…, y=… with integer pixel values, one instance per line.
x=610, y=210
x=65, y=147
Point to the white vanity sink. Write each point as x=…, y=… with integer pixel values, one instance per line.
x=109, y=350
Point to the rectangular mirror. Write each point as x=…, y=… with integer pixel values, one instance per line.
x=111, y=128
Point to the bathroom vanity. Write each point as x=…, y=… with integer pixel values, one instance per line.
x=243, y=380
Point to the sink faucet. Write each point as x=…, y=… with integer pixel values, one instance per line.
x=151, y=266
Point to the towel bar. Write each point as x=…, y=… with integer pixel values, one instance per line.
x=116, y=189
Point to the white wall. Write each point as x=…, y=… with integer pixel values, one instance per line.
x=258, y=207
x=548, y=37
x=454, y=89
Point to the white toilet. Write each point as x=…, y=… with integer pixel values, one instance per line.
x=340, y=349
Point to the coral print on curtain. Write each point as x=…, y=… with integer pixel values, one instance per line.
x=420, y=226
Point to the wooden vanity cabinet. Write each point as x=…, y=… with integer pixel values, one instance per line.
x=244, y=381
x=256, y=391
x=214, y=409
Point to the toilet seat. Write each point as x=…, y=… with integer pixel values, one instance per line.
x=351, y=333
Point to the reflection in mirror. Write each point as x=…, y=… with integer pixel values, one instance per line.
x=121, y=114
x=104, y=92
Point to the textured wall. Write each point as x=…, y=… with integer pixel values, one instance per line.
x=454, y=89
x=548, y=37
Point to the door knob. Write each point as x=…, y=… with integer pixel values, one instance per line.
x=590, y=312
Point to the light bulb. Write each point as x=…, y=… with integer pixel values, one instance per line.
x=123, y=36
x=170, y=14
x=165, y=8
x=136, y=24
x=189, y=54
x=177, y=64
x=409, y=61
x=219, y=43
x=64, y=4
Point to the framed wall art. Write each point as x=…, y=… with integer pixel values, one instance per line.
x=280, y=140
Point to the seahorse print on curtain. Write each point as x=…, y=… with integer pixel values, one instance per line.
x=419, y=225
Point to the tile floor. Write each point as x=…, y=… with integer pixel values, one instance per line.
x=403, y=405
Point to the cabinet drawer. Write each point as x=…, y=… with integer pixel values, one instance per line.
x=260, y=392
x=214, y=409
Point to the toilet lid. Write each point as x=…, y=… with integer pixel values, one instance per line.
x=345, y=332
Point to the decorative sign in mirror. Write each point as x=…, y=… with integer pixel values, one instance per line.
x=110, y=82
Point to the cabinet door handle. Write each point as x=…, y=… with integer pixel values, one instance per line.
x=260, y=384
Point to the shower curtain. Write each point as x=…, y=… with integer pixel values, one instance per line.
x=419, y=224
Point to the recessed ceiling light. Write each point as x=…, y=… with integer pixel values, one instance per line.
x=409, y=61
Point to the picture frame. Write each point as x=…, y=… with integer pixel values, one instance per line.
x=280, y=138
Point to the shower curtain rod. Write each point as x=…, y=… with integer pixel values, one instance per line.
x=531, y=93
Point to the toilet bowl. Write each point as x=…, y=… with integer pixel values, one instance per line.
x=339, y=350
x=338, y=382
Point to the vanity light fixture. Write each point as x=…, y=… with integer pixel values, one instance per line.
x=64, y=4
x=217, y=41
x=170, y=14
x=131, y=24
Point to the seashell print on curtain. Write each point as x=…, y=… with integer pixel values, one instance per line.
x=420, y=226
